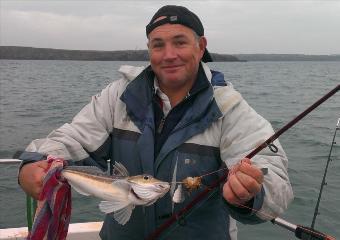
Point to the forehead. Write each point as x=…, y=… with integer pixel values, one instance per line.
x=170, y=30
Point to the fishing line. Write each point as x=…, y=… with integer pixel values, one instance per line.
x=323, y=183
x=207, y=174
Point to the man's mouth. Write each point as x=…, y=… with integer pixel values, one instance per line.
x=172, y=66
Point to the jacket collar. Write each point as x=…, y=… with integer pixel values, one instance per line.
x=138, y=100
x=139, y=93
x=137, y=97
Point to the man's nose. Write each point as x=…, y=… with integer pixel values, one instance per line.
x=170, y=52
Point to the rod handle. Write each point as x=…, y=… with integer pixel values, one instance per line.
x=306, y=233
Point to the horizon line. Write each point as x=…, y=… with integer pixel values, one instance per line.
x=306, y=54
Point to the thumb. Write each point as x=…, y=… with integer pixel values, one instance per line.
x=246, y=160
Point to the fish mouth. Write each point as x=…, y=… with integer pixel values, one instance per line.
x=162, y=188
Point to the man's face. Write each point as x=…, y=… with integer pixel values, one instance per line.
x=175, y=54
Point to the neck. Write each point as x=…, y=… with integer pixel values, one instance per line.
x=177, y=93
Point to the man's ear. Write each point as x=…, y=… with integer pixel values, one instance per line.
x=202, y=44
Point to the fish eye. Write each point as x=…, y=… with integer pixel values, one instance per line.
x=146, y=177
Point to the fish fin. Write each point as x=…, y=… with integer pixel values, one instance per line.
x=112, y=206
x=123, y=215
x=116, y=202
x=120, y=170
x=78, y=190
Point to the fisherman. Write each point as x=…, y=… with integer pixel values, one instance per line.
x=174, y=119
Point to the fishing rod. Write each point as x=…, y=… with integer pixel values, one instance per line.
x=268, y=143
x=323, y=183
x=307, y=233
x=301, y=232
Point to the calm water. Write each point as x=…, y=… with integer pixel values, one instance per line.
x=39, y=96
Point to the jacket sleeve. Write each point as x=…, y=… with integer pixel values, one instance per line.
x=242, y=131
x=86, y=140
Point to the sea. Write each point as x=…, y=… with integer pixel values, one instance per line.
x=38, y=96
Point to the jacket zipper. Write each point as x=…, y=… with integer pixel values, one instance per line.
x=161, y=125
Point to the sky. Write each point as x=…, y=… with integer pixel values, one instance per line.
x=231, y=27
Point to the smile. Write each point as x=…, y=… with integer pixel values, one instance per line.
x=171, y=68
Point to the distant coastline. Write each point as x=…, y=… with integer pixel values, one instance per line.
x=287, y=57
x=31, y=53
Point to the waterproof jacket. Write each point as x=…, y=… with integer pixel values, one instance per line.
x=218, y=128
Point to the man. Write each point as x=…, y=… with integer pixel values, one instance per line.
x=174, y=119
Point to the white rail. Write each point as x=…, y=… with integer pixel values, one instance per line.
x=9, y=161
x=77, y=231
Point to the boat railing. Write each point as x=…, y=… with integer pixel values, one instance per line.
x=9, y=161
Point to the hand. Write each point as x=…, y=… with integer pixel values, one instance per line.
x=243, y=184
x=31, y=177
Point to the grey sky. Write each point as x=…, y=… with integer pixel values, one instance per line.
x=308, y=27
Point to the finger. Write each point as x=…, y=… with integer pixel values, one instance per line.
x=39, y=182
x=43, y=164
x=252, y=171
x=36, y=192
x=246, y=160
x=229, y=195
x=39, y=176
x=238, y=189
x=251, y=184
x=31, y=178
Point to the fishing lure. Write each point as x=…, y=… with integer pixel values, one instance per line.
x=178, y=196
x=192, y=183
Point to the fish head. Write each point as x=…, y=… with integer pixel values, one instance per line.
x=147, y=189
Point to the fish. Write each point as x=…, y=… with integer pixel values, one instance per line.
x=119, y=193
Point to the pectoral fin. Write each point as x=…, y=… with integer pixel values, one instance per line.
x=112, y=206
x=123, y=215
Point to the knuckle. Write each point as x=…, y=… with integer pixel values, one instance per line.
x=253, y=184
x=230, y=198
x=243, y=195
x=228, y=194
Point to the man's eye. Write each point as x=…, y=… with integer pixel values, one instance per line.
x=157, y=45
x=180, y=43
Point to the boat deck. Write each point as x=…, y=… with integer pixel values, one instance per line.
x=77, y=231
